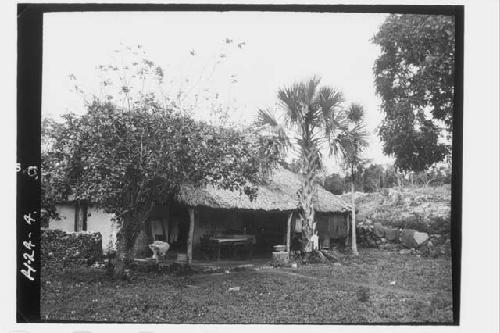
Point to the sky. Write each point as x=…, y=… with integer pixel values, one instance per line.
x=240, y=58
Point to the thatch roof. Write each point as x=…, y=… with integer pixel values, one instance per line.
x=280, y=194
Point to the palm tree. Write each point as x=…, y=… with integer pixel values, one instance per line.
x=353, y=142
x=315, y=117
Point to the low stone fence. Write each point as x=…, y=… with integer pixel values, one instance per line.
x=405, y=240
x=67, y=249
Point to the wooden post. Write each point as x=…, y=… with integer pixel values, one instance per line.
x=288, y=232
x=165, y=220
x=190, y=235
x=348, y=222
x=353, y=222
x=148, y=227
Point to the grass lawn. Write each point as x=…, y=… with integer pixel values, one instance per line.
x=378, y=286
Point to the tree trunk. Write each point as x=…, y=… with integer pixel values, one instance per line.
x=288, y=232
x=353, y=227
x=131, y=225
x=122, y=256
x=306, y=197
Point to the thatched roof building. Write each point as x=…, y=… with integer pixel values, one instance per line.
x=279, y=195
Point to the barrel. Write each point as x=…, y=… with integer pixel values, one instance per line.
x=279, y=248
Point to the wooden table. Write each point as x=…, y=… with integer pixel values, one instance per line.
x=234, y=241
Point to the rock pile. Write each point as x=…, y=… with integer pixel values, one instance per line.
x=417, y=219
x=66, y=249
x=425, y=209
x=403, y=240
x=365, y=235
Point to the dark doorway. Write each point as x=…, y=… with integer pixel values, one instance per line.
x=178, y=228
x=269, y=229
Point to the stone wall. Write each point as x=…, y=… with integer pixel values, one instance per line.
x=404, y=240
x=66, y=249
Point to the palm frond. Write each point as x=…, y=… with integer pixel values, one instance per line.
x=299, y=101
x=319, y=117
x=289, y=99
x=265, y=118
x=333, y=127
x=328, y=100
x=352, y=143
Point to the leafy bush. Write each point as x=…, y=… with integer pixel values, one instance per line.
x=334, y=183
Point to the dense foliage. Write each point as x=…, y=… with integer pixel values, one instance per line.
x=374, y=177
x=127, y=161
x=124, y=158
x=414, y=76
x=334, y=183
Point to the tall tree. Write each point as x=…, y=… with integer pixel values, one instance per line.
x=314, y=117
x=414, y=76
x=353, y=142
x=128, y=161
x=135, y=146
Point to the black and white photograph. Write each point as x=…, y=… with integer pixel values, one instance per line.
x=246, y=165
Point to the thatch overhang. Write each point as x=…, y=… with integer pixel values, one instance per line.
x=278, y=195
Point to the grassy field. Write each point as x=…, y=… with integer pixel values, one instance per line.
x=378, y=286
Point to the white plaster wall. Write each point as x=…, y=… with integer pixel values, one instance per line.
x=97, y=221
x=100, y=221
x=67, y=221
